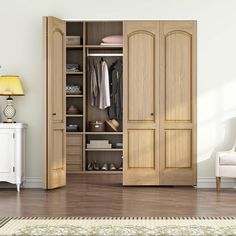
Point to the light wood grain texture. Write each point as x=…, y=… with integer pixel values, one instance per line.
x=166, y=108
x=44, y=106
x=178, y=54
x=73, y=149
x=74, y=46
x=77, y=115
x=141, y=109
x=74, y=159
x=74, y=153
x=74, y=139
x=178, y=103
x=104, y=46
x=74, y=168
x=74, y=73
x=56, y=149
x=141, y=148
x=74, y=96
x=141, y=77
x=103, y=149
x=178, y=148
x=111, y=133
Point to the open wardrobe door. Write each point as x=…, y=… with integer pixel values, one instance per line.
x=54, y=150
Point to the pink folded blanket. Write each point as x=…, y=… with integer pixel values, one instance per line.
x=115, y=39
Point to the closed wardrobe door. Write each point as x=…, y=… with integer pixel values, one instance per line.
x=55, y=149
x=141, y=110
x=178, y=103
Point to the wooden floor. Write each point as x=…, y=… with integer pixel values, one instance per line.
x=103, y=195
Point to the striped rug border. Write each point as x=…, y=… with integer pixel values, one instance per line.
x=6, y=219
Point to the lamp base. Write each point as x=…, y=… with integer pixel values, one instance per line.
x=9, y=111
x=8, y=122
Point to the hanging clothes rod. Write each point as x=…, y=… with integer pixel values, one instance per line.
x=105, y=54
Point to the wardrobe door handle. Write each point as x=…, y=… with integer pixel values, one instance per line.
x=152, y=114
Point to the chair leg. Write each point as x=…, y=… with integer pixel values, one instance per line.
x=218, y=183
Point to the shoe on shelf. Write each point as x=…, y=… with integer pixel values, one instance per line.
x=104, y=167
x=112, y=167
x=121, y=166
x=90, y=165
x=96, y=165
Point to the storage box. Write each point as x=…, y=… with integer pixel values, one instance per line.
x=73, y=40
x=97, y=126
x=72, y=128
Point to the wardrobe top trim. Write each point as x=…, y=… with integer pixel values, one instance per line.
x=124, y=20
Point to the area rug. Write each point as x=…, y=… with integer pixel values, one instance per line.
x=131, y=226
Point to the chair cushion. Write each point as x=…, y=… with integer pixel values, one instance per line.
x=228, y=159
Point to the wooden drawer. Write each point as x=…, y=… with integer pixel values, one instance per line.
x=72, y=139
x=73, y=168
x=74, y=159
x=71, y=150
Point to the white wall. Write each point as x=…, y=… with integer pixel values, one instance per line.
x=21, y=53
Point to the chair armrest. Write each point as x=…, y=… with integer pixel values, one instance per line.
x=218, y=155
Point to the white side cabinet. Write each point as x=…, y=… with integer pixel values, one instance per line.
x=12, y=153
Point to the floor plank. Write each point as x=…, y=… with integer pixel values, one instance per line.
x=103, y=195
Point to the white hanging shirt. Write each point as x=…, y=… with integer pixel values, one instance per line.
x=103, y=84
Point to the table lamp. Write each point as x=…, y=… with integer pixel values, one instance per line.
x=10, y=85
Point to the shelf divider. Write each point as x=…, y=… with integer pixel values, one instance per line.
x=104, y=150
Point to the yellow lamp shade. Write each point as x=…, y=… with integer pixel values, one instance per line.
x=10, y=85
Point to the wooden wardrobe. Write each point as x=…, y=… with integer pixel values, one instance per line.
x=160, y=103
x=158, y=128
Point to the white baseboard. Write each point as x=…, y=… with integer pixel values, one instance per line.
x=30, y=182
x=202, y=182
x=210, y=182
x=33, y=182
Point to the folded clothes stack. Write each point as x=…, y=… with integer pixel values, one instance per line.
x=72, y=67
x=113, y=40
x=99, y=144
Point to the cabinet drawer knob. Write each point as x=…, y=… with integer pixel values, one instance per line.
x=54, y=114
x=152, y=114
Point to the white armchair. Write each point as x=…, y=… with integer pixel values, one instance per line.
x=225, y=165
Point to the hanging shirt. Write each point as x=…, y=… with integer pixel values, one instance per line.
x=116, y=88
x=103, y=85
x=93, y=87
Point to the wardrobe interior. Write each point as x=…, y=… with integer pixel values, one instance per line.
x=93, y=109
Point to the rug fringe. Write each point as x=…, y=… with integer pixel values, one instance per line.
x=3, y=219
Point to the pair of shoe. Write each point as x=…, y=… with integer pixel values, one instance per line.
x=93, y=165
x=105, y=167
x=121, y=167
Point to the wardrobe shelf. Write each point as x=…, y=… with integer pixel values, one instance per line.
x=103, y=46
x=104, y=133
x=74, y=46
x=74, y=73
x=74, y=133
x=74, y=96
x=102, y=172
x=67, y=115
x=104, y=150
